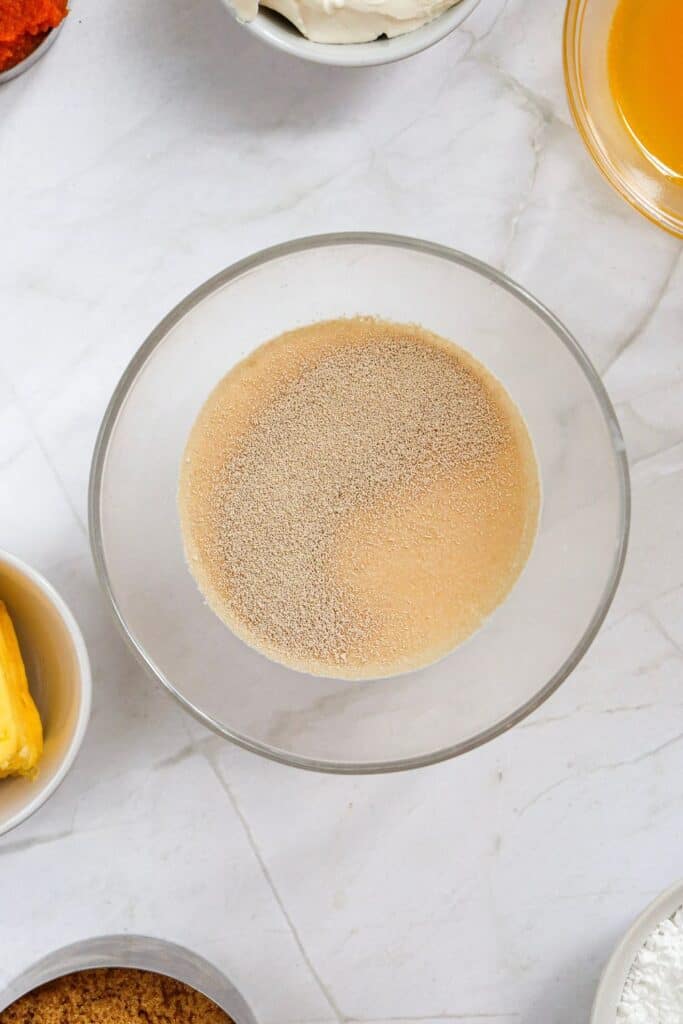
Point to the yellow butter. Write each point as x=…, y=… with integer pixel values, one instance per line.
x=21, y=731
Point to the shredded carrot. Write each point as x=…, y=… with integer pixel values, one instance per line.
x=23, y=26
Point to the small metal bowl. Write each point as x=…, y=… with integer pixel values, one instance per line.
x=28, y=62
x=138, y=952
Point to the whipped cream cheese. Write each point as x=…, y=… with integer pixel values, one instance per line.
x=349, y=21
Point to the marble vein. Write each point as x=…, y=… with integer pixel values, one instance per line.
x=544, y=121
x=23, y=845
x=648, y=314
x=537, y=723
x=476, y=40
x=656, y=620
x=40, y=444
x=663, y=449
x=324, y=989
x=608, y=766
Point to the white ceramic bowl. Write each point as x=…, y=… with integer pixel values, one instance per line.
x=278, y=32
x=614, y=976
x=59, y=678
x=28, y=62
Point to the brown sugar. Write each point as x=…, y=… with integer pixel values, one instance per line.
x=357, y=496
x=114, y=995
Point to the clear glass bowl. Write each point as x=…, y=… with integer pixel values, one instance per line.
x=586, y=36
x=520, y=655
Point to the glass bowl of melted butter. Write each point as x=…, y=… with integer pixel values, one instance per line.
x=624, y=74
x=360, y=503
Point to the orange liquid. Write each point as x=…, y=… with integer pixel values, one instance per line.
x=646, y=77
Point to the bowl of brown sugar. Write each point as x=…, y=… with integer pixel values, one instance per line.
x=360, y=503
x=123, y=979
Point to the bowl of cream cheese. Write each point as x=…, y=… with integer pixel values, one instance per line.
x=351, y=33
x=642, y=982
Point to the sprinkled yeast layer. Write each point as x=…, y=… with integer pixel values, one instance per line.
x=357, y=496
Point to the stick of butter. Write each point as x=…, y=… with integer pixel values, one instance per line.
x=21, y=731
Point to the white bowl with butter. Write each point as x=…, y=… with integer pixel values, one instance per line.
x=58, y=670
x=351, y=33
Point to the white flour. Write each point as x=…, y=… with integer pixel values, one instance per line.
x=653, y=993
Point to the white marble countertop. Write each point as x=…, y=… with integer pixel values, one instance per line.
x=156, y=143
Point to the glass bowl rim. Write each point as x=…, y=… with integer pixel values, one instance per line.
x=258, y=259
x=573, y=21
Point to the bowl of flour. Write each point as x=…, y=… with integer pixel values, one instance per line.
x=643, y=980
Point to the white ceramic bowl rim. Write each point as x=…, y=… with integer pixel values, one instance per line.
x=243, y=266
x=85, y=680
x=28, y=62
x=378, y=51
x=614, y=976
